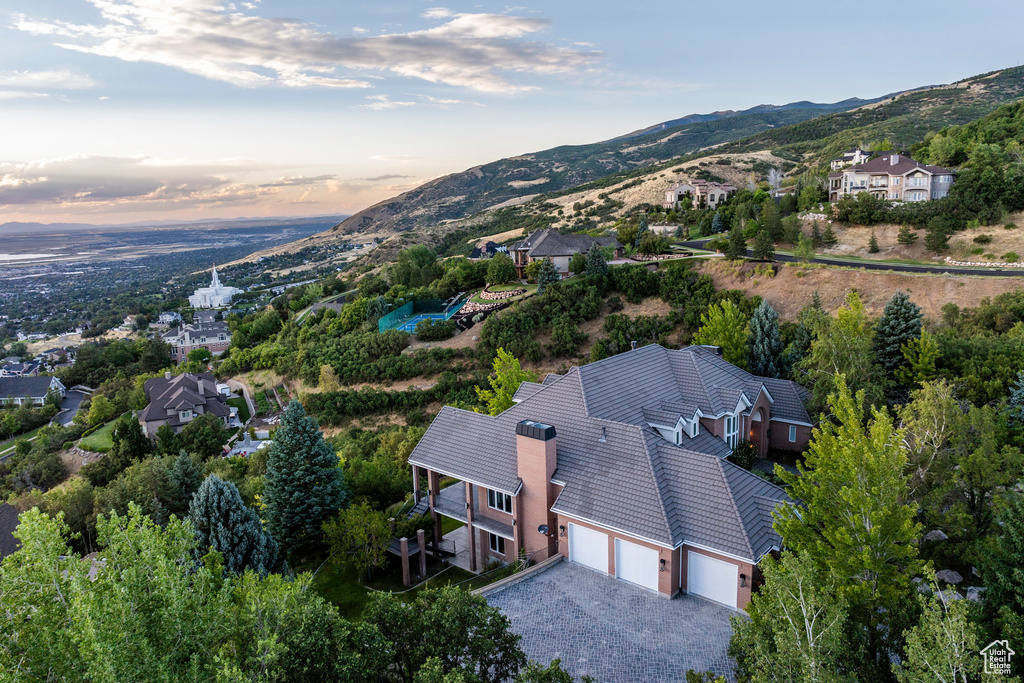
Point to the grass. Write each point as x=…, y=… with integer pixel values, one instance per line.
x=8, y=445
x=101, y=440
x=243, y=409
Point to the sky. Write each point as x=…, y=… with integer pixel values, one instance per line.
x=119, y=111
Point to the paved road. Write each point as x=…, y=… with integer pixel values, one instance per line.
x=880, y=265
x=69, y=407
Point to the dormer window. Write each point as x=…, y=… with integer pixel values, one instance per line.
x=695, y=428
x=732, y=430
x=679, y=437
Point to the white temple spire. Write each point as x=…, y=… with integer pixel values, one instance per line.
x=216, y=279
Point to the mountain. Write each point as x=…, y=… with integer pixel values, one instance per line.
x=18, y=228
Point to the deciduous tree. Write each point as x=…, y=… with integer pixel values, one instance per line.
x=500, y=269
x=508, y=375
x=725, y=326
x=358, y=538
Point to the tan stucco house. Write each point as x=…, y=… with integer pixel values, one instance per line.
x=894, y=177
x=620, y=466
x=702, y=194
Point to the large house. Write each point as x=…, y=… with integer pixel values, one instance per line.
x=620, y=465
x=558, y=248
x=29, y=390
x=177, y=400
x=894, y=177
x=214, y=296
x=214, y=337
x=26, y=369
x=703, y=194
x=849, y=158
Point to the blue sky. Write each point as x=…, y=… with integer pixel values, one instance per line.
x=127, y=110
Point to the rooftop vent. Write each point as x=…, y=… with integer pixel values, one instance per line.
x=632, y=345
x=604, y=435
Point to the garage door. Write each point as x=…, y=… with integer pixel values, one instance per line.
x=636, y=564
x=711, y=578
x=588, y=547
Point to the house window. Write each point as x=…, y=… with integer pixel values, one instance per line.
x=679, y=437
x=497, y=543
x=731, y=430
x=792, y=433
x=694, y=428
x=496, y=500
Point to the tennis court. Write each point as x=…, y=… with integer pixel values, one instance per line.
x=406, y=317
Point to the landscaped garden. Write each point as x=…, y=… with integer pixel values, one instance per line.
x=100, y=441
x=530, y=289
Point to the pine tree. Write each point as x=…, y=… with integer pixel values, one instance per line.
x=641, y=228
x=764, y=248
x=304, y=485
x=900, y=323
x=1001, y=570
x=1016, y=405
x=547, y=274
x=737, y=245
x=906, y=237
x=764, y=345
x=717, y=224
x=596, y=265
x=815, y=234
x=873, y=244
x=828, y=238
x=222, y=521
x=936, y=237
x=771, y=220
x=186, y=477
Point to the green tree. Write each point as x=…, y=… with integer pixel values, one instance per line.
x=764, y=248
x=224, y=523
x=796, y=626
x=578, y=263
x=416, y=266
x=873, y=244
x=717, y=223
x=1016, y=403
x=906, y=236
x=186, y=477
x=920, y=356
x=457, y=628
x=566, y=336
x=804, y=249
x=943, y=646
x=358, y=538
x=500, y=269
x=936, y=235
x=304, y=485
x=771, y=220
x=816, y=238
x=100, y=409
x=737, y=245
x=204, y=436
x=508, y=375
x=547, y=275
x=328, y=378
x=809, y=196
x=1003, y=572
x=596, y=263
x=856, y=521
x=725, y=326
x=828, y=238
x=764, y=346
x=900, y=324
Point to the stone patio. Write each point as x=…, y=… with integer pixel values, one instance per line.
x=613, y=631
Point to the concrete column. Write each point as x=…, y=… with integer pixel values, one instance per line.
x=392, y=524
x=421, y=541
x=469, y=526
x=433, y=487
x=416, y=483
x=406, y=574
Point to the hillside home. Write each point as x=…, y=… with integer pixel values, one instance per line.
x=177, y=400
x=489, y=250
x=30, y=391
x=893, y=177
x=214, y=337
x=701, y=193
x=26, y=369
x=620, y=465
x=557, y=248
x=849, y=158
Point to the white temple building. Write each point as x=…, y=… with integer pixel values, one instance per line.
x=214, y=296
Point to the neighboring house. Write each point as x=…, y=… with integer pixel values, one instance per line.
x=849, y=158
x=620, y=466
x=487, y=251
x=169, y=318
x=557, y=248
x=28, y=390
x=894, y=177
x=8, y=524
x=214, y=337
x=214, y=296
x=26, y=369
x=701, y=193
x=204, y=316
x=177, y=400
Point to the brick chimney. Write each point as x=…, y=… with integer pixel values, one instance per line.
x=536, y=448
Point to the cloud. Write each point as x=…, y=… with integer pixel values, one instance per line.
x=298, y=181
x=382, y=178
x=62, y=79
x=400, y=158
x=20, y=94
x=209, y=39
x=381, y=102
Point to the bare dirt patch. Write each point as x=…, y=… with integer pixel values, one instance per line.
x=792, y=288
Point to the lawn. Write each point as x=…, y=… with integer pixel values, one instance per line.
x=8, y=445
x=100, y=441
x=243, y=409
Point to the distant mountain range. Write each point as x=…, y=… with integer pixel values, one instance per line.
x=15, y=227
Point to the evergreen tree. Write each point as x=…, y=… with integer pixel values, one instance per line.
x=900, y=324
x=547, y=274
x=186, y=477
x=304, y=485
x=222, y=521
x=771, y=220
x=641, y=230
x=717, y=224
x=815, y=234
x=936, y=237
x=1004, y=576
x=828, y=238
x=596, y=264
x=873, y=244
x=804, y=248
x=1016, y=405
x=856, y=524
x=764, y=248
x=906, y=236
x=737, y=245
x=764, y=346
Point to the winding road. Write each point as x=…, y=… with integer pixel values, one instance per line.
x=881, y=265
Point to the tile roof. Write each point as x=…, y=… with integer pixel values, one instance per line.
x=550, y=242
x=903, y=165
x=20, y=387
x=8, y=523
x=616, y=469
x=182, y=392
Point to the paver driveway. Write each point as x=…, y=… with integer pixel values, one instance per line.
x=613, y=631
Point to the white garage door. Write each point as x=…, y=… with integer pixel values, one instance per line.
x=588, y=547
x=711, y=578
x=636, y=564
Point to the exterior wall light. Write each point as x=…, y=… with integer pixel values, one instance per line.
x=662, y=563
x=743, y=580
x=561, y=530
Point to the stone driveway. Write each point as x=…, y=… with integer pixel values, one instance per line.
x=613, y=631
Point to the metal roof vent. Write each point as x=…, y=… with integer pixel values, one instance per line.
x=632, y=345
x=604, y=435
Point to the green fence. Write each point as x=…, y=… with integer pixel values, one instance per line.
x=392, y=319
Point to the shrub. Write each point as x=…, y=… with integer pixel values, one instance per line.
x=614, y=304
x=434, y=330
x=978, y=250
x=983, y=239
x=1010, y=226
x=1011, y=257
